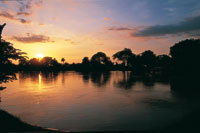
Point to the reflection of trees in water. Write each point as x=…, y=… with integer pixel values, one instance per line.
x=127, y=79
x=127, y=82
x=98, y=79
x=63, y=77
x=26, y=75
x=49, y=76
x=34, y=76
x=185, y=87
x=85, y=76
x=148, y=81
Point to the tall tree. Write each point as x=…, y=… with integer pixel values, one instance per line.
x=185, y=56
x=125, y=56
x=100, y=58
x=148, y=58
x=7, y=54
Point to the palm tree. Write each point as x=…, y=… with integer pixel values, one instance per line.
x=124, y=55
x=63, y=60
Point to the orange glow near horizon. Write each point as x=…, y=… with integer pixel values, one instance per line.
x=39, y=55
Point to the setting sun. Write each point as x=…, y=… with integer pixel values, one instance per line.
x=39, y=55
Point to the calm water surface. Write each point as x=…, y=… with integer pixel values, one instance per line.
x=108, y=101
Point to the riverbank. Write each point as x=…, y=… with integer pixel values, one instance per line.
x=10, y=123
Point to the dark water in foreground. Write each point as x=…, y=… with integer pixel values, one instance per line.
x=107, y=101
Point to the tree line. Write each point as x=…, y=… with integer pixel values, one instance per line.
x=125, y=59
x=183, y=58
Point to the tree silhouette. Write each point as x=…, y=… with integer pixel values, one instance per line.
x=185, y=57
x=100, y=58
x=100, y=61
x=164, y=62
x=6, y=76
x=125, y=55
x=148, y=59
x=48, y=62
x=9, y=53
x=1, y=29
x=63, y=60
x=23, y=62
x=85, y=61
x=34, y=62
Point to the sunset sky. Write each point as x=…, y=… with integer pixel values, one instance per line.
x=76, y=28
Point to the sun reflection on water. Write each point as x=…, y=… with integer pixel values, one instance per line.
x=39, y=82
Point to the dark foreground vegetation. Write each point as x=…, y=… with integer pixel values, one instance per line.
x=9, y=123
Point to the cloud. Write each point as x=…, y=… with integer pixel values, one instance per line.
x=24, y=13
x=70, y=41
x=24, y=9
x=12, y=16
x=7, y=15
x=119, y=28
x=187, y=27
x=32, y=38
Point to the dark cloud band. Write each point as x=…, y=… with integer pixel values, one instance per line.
x=11, y=16
x=119, y=28
x=189, y=26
